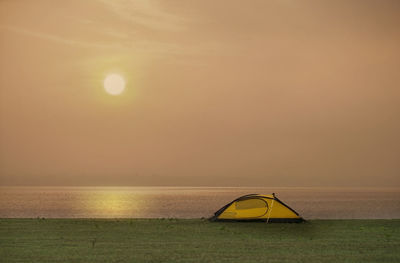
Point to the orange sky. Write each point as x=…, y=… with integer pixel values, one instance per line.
x=219, y=93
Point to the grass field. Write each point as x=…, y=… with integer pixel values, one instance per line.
x=178, y=240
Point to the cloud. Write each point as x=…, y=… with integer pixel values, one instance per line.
x=155, y=48
x=146, y=13
x=55, y=38
x=135, y=16
x=126, y=26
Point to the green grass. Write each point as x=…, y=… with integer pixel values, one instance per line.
x=173, y=240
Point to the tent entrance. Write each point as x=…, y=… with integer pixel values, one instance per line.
x=248, y=208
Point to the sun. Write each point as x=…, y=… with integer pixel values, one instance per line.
x=114, y=84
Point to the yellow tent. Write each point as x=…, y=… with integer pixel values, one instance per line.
x=257, y=207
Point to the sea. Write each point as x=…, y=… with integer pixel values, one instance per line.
x=191, y=202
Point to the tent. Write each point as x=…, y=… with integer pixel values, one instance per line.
x=256, y=207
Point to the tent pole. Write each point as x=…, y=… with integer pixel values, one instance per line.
x=272, y=205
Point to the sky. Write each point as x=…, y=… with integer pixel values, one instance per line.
x=218, y=93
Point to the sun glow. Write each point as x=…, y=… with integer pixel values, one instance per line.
x=114, y=84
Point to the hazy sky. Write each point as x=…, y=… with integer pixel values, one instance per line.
x=219, y=93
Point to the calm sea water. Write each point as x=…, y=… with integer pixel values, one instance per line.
x=190, y=202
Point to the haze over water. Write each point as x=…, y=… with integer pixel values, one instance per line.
x=191, y=202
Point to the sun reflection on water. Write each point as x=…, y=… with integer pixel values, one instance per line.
x=113, y=204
